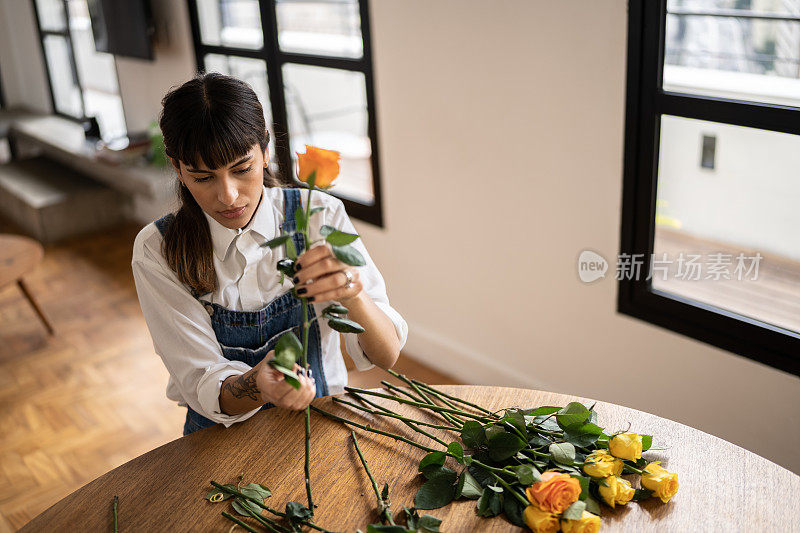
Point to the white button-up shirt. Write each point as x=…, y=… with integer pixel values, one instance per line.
x=247, y=280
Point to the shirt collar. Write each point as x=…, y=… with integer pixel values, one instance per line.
x=262, y=223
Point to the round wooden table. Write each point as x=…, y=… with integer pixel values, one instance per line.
x=19, y=256
x=722, y=486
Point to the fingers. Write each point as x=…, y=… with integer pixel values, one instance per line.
x=331, y=286
x=304, y=395
x=297, y=399
x=340, y=293
x=321, y=267
x=312, y=255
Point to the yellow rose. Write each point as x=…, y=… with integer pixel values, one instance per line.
x=607, y=487
x=663, y=484
x=589, y=523
x=602, y=464
x=540, y=521
x=555, y=492
x=626, y=446
x=615, y=490
x=624, y=491
x=324, y=162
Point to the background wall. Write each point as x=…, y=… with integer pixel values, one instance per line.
x=501, y=129
x=501, y=137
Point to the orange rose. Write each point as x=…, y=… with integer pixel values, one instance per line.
x=324, y=162
x=555, y=492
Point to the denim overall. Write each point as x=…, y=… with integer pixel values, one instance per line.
x=248, y=336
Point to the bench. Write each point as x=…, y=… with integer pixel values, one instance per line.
x=50, y=202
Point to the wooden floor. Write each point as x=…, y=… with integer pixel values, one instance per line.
x=773, y=297
x=78, y=404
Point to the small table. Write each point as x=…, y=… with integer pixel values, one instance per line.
x=19, y=256
x=722, y=486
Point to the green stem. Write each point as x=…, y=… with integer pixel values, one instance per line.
x=366, y=467
x=390, y=413
x=407, y=441
x=634, y=469
x=394, y=388
x=116, y=503
x=264, y=521
x=239, y=522
x=534, y=452
x=373, y=430
x=306, y=327
x=416, y=404
x=406, y=421
x=450, y=418
x=454, y=398
x=381, y=503
x=404, y=392
x=441, y=398
x=523, y=501
x=264, y=506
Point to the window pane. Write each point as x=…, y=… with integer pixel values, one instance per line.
x=738, y=49
x=253, y=72
x=727, y=219
x=320, y=27
x=234, y=23
x=65, y=89
x=97, y=73
x=51, y=15
x=328, y=109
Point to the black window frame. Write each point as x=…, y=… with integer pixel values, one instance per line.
x=274, y=59
x=72, y=63
x=646, y=101
x=73, y=66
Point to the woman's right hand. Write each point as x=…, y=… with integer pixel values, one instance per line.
x=275, y=390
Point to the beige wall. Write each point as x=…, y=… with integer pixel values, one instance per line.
x=501, y=136
x=501, y=131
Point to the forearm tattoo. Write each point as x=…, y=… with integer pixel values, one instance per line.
x=243, y=387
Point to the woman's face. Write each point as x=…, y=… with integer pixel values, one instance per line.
x=229, y=194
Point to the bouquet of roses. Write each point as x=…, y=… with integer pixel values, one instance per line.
x=548, y=468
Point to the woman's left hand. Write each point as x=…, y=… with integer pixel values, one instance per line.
x=322, y=277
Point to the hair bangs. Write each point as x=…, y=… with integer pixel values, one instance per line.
x=214, y=143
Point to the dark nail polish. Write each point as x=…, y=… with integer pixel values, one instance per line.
x=311, y=299
x=295, y=279
x=301, y=291
x=297, y=267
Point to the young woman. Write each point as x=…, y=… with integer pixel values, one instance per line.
x=210, y=292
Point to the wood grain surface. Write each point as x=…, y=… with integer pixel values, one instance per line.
x=18, y=256
x=722, y=487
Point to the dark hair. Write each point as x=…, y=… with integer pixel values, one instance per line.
x=217, y=119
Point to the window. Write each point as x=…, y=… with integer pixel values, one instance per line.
x=310, y=64
x=83, y=82
x=712, y=174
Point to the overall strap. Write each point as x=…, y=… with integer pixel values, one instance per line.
x=164, y=223
x=291, y=203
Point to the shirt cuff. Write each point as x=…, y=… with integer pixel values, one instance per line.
x=354, y=349
x=208, y=392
